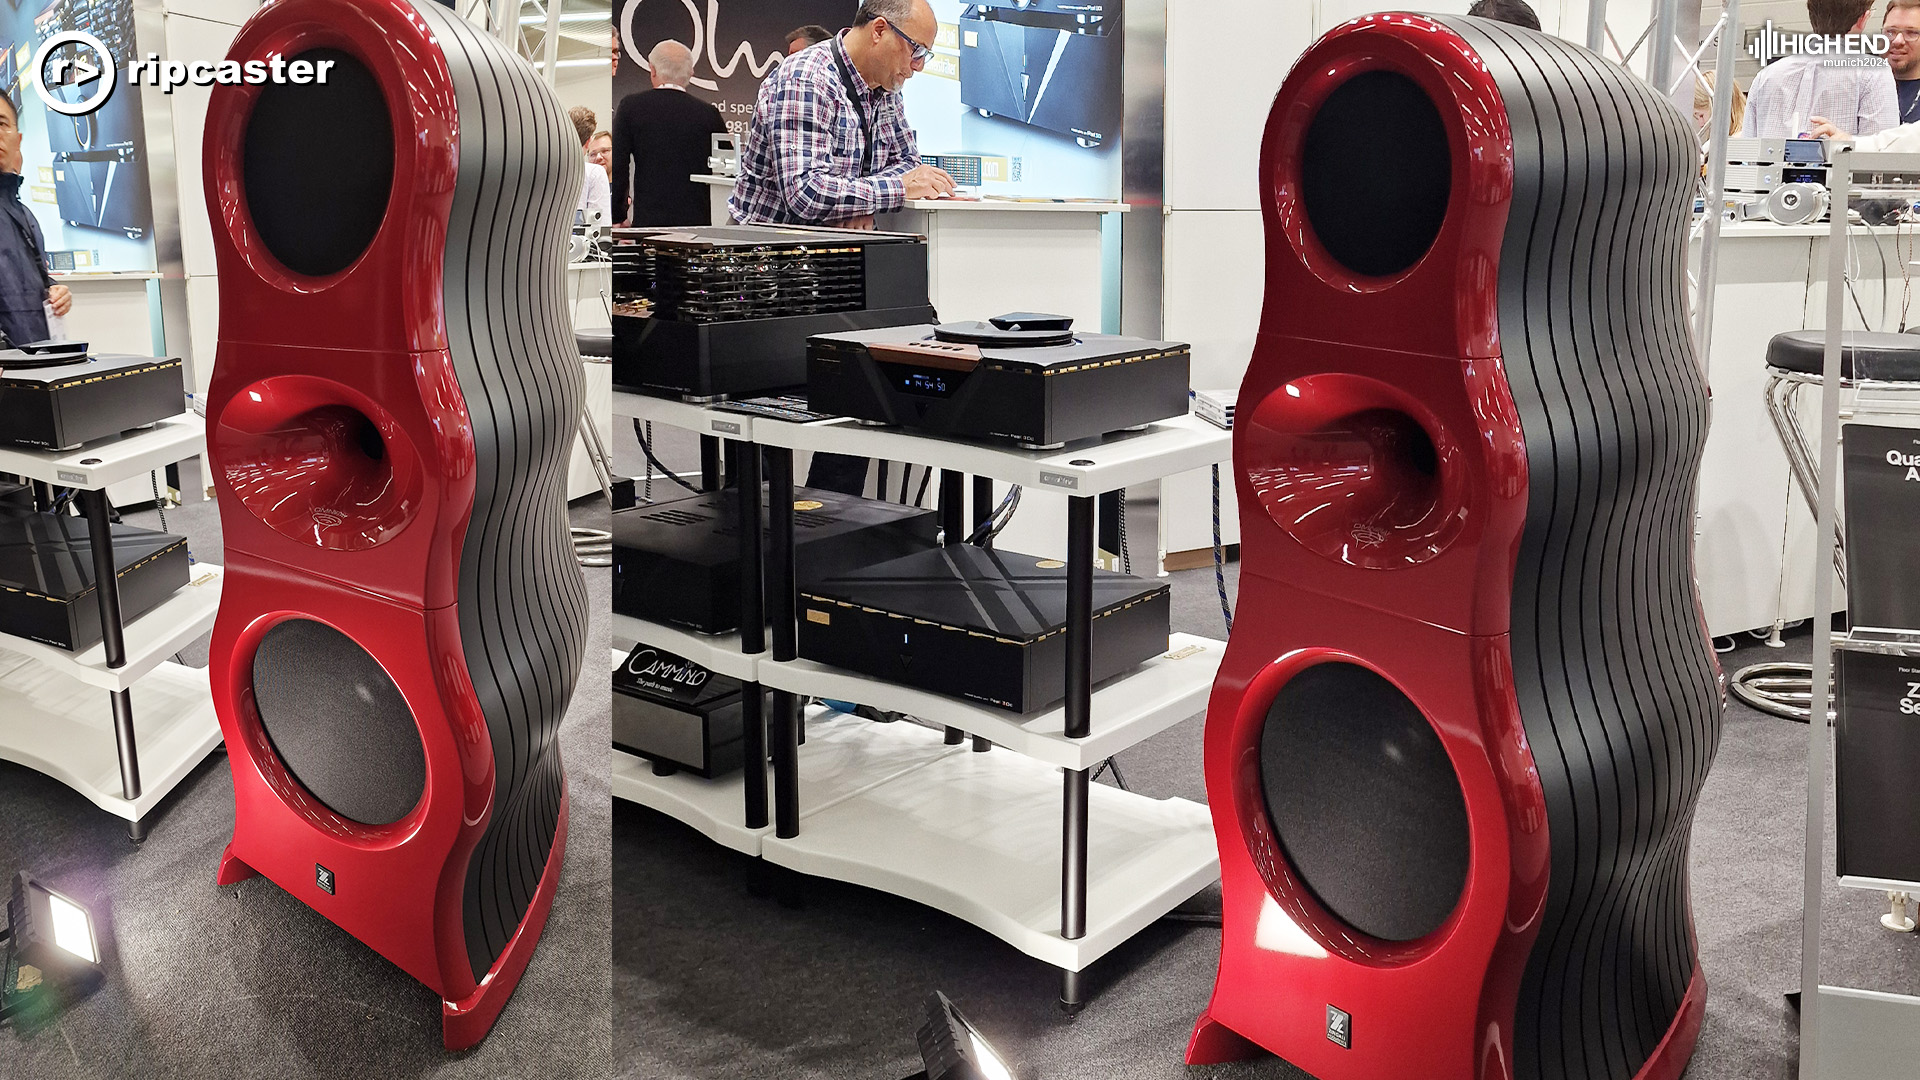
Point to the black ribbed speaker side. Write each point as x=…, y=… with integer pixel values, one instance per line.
x=1615, y=678
x=523, y=603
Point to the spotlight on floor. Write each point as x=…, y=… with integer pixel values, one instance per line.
x=52, y=952
x=953, y=1050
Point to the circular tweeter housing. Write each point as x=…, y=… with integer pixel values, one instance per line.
x=1365, y=802
x=1376, y=172
x=318, y=166
x=338, y=723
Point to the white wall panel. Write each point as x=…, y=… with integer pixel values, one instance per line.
x=1219, y=88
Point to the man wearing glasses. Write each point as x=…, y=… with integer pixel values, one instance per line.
x=1901, y=24
x=829, y=143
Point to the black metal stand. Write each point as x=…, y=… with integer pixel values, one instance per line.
x=953, y=517
x=710, y=477
x=106, y=590
x=753, y=623
x=1079, y=724
x=982, y=513
x=782, y=605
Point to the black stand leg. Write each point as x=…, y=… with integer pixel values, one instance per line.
x=953, y=516
x=106, y=590
x=1079, y=722
x=982, y=513
x=953, y=510
x=782, y=606
x=710, y=478
x=1072, y=992
x=753, y=628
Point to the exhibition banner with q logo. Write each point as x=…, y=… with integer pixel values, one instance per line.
x=735, y=44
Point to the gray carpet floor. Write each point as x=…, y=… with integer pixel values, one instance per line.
x=712, y=978
x=246, y=981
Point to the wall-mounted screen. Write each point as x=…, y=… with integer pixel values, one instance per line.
x=84, y=177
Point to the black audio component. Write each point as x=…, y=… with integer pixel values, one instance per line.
x=977, y=623
x=677, y=714
x=678, y=562
x=68, y=405
x=1023, y=377
x=46, y=575
x=726, y=311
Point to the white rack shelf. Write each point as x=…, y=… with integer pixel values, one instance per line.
x=978, y=836
x=681, y=414
x=1120, y=460
x=109, y=461
x=716, y=652
x=150, y=639
x=55, y=724
x=1127, y=709
x=842, y=757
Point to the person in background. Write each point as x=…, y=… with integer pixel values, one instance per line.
x=1901, y=24
x=830, y=145
x=600, y=150
x=1516, y=12
x=594, y=192
x=1703, y=106
x=813, y=34
x=661, y=138
x=1791, y=93
x=27, y=290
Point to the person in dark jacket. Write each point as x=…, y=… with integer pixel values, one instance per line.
x=25, y=285
x=661, y=137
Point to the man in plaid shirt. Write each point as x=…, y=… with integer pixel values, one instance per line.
x=830, y=143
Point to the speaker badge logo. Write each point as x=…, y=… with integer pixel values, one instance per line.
x=1339, y=1027
x=323, y=877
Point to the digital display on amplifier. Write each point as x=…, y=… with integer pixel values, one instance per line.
x=1803, y=176
x=927, y=382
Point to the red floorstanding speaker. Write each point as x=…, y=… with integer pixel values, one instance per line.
x=1469, y=700
x=391, y=409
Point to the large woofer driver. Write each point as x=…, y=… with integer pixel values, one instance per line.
x=338, y=723
x=1365, y=802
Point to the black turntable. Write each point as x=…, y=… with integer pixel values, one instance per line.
x=1026, y=378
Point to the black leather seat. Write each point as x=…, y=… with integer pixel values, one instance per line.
x=598, y=341
x=1886, y=357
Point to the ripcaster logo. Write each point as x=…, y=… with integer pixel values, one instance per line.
x=706, y=35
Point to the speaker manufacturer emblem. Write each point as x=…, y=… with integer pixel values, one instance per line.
x=323, y=877
x=1339, y=1028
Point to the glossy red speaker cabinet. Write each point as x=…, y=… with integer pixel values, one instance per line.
x=392, y=405
x=1469, y=701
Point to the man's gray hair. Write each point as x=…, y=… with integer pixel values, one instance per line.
x=672, y=61
x=896, y=12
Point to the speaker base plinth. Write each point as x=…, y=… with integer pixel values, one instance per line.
x=1213, y=1043
x=465, y=1022
x=232, y=870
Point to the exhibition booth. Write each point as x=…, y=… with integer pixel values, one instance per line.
x=1369, y=713
x=446, y=632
